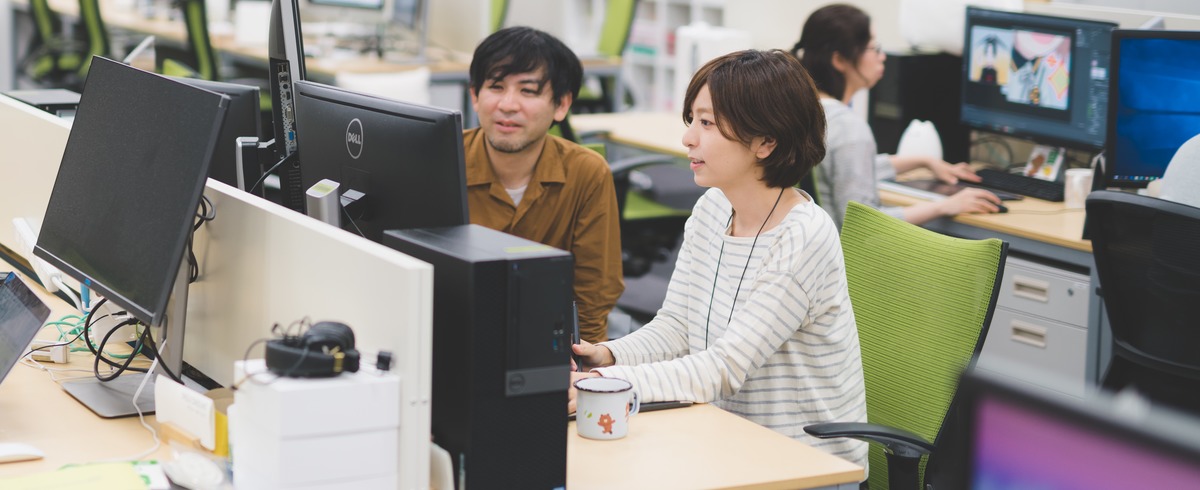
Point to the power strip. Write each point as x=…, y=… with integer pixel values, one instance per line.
x=58, y=353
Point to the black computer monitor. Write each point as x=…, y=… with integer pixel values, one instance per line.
x=241, y=120
x=1154, y=103
x=285, y=59
x=406, y=159
x=1022, y=438
x=1037, y=77
x=123, y=204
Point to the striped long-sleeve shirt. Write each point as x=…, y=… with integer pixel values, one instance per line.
x=789, y=355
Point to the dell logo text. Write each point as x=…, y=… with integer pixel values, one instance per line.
x=354, y=138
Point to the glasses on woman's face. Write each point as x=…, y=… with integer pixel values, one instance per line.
x=875, y=46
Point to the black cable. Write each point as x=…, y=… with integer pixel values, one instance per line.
x=263, y=177
x=207, y=212
x=121, y=368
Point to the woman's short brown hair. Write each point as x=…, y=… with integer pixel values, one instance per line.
x=765, y=94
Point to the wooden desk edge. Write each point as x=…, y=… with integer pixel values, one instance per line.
x=982, y=221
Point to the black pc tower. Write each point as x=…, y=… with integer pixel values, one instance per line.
x=926, y=86
x=502, y=325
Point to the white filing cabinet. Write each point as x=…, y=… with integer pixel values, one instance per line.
x=1040, y=323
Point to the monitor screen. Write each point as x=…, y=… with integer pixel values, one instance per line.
x=241, y=119
x=1037, y=77
x=131, y=176
x=1154, y=104
x=22, y=315
x=406, y=159
x=1021, y=440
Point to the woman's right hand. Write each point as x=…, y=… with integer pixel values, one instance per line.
x=970, y=200
x=593, y=356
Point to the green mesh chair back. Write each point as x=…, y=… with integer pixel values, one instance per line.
x=614, y=36
x=499, y=13
x=52, y=59
x=199, y=44
x=923, y=302
x=97, y=34
x=618, y=21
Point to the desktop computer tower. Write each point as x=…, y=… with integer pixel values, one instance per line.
x=502, y=326
x=922, y=86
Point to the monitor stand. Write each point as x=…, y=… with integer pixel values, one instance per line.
x=112, y=399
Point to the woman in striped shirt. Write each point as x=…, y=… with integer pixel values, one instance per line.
x=757, y=318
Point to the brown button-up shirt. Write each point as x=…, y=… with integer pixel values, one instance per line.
x=569, y=204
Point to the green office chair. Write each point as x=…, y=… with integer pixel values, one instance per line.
x=200, y=59
x=499, y=14
x=95, y=32
x=923, y=302
x=53, y=60
x=614, y=37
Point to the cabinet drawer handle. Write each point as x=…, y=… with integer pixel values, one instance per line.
x=1030, y=288
x=1029, y=334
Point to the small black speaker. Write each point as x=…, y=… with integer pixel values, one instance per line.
x=920, y=86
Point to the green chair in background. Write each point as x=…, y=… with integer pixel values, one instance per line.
x=96, y=34
x=499, y=14
x=923, y=302
x=614, y=37
x=200, y=59
x=52, y=59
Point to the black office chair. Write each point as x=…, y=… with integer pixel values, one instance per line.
x=1147, y=253
x=652, y=214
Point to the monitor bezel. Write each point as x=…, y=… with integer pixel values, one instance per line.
x=1033, y=136
x=1119, y=35
x=153, y=314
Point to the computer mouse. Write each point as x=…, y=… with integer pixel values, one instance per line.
x=11, y=452
x=1003, y=208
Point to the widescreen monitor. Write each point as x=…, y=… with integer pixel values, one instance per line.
x=134, y=167
x=1154, y=103
x=405, y=159
x=1025, y=439
x=1037, y=77
x=242, y=119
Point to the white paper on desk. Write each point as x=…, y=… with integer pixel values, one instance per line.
x=190, y=411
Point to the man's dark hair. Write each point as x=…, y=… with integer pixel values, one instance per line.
x=522, y=50
x=838, y=28
x=765, y=94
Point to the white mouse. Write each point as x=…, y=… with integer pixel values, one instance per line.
x=14, y=451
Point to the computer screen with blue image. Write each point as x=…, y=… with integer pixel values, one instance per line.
x=1155, y=103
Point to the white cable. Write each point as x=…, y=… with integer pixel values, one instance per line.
x=141, y=417
x=57, y=280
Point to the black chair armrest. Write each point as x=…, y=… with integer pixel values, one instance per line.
x=626, y=165
x=898, y=441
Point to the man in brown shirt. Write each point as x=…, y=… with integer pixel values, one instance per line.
x=536, y=186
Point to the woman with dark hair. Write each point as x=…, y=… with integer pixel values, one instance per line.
x=757, y=317
x=839, y=50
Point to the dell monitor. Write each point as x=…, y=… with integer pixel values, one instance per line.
x=1023, y=438
x=241, y=120
x=402, y=162
x=1037, y=77
x=130, y=180
x=1154, y=103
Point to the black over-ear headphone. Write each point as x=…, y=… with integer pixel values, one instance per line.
x=326, y=349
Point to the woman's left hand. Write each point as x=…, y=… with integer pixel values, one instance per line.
x=951, y=173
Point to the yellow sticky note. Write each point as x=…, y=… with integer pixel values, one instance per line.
x=112, y=475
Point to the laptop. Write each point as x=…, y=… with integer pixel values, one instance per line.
x=22, y=315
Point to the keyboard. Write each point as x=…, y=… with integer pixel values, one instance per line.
x=1020, y=184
